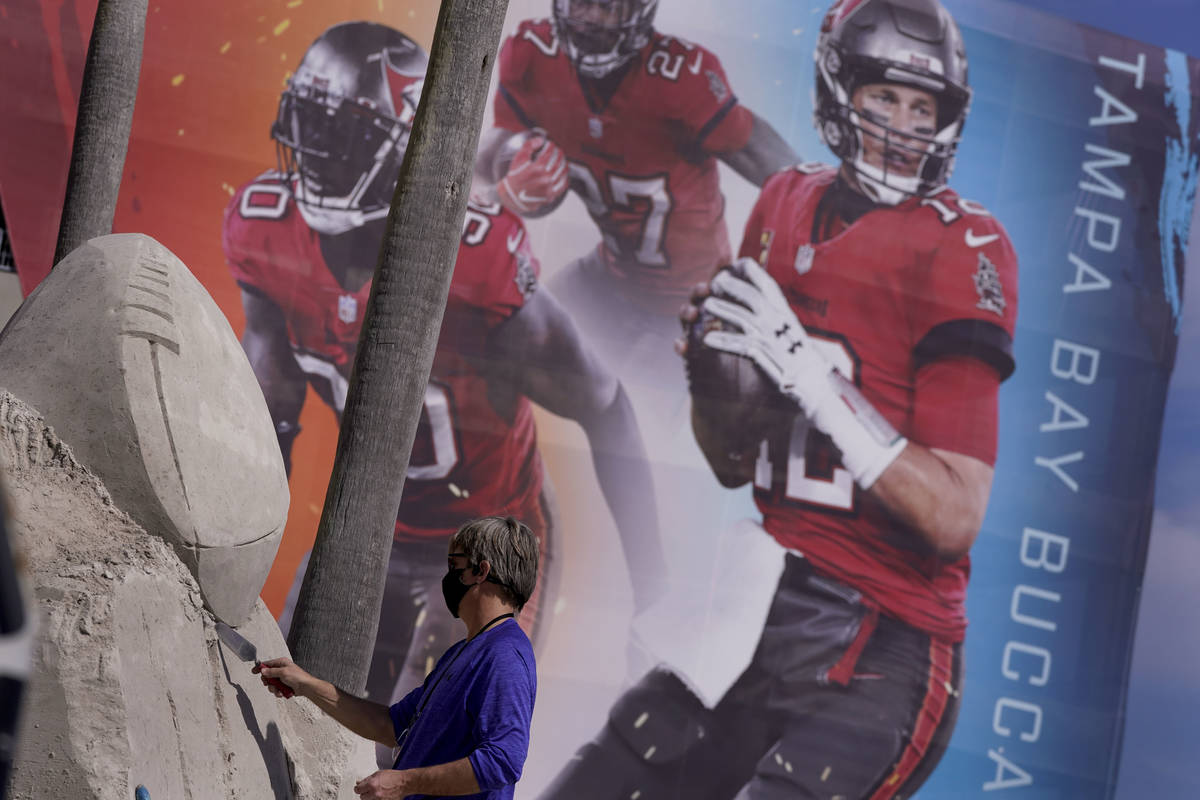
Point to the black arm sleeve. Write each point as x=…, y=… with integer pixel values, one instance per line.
x=975, y=338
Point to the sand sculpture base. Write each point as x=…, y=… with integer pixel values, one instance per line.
x=129, y=684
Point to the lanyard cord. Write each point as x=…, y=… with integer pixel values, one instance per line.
x=426, y=696
x=494, y=621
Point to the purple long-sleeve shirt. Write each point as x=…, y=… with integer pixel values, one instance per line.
x=477, y=703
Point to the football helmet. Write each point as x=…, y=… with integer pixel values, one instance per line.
x=914, y=43
x=344, y=121
x=601, y=35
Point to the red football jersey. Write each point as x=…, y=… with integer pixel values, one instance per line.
x=641, y=162
x=931, y=281
x=469, y=459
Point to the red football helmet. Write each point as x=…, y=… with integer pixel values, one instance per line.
x=344, y=121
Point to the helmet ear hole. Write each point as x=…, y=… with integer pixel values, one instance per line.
x=835, y=137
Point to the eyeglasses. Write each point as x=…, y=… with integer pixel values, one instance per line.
x=450, y=559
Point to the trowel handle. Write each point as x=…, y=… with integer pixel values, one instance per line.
x=278, y=684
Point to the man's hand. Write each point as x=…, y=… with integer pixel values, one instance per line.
x=769, y=334
x=368, y=719
x=537, y=178
x=283, y=677
x=386, y=784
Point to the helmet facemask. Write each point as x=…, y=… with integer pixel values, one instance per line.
x=341, y=158
x=344, y=122
x=600, y=36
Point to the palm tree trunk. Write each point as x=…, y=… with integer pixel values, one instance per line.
x=106, y=98
x=337, y=613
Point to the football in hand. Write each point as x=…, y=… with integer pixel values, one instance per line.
x=734, y=393
x=531, y=172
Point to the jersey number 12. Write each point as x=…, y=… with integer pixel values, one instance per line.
x=814, y=473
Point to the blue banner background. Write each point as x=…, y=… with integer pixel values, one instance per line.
x=1034, y=79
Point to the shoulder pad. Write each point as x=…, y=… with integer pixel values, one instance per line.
x=496, y=269
x=266, y=198
x=677, y=44
x=954, y=222
x=539, y=34
x=680, y=60
x=799, y=174
x=948, y=208
x=810, y=168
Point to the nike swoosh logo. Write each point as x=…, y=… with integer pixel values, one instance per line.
x=515, y=241
x=979, y=241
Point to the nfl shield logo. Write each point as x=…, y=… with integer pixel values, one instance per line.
x=347, y=309
x=595, y=127
x=804, y=259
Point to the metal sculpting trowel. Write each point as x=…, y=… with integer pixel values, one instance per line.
x=246, y=651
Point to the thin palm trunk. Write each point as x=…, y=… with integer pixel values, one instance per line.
x=105, y=115
x=337, y=614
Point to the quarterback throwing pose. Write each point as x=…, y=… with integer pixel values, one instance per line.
x=634, y=121
x=302, y=243
x=879, y=307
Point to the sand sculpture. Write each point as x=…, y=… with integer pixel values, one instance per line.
x=148, y=497
x=134, y=366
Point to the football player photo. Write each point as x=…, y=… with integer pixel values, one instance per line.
x=634, y=121
x=302, y=242
x=847, y=366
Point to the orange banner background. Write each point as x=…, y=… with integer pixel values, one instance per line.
x=208, y=91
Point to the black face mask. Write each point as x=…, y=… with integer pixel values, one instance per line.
x=454, y=590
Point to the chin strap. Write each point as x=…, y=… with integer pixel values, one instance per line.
x=885, y=189
x=334, y=221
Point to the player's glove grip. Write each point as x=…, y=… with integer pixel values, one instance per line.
x=746, y=297
x=537, y=177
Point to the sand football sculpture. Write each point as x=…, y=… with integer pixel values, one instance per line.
x=133, y=365
x=149, y=497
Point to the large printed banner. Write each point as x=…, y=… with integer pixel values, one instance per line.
x=985, y=235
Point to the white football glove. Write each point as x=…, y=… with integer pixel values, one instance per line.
x=772, y=337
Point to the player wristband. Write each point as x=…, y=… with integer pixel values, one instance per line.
x=868, y=442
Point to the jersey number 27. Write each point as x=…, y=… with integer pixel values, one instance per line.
x=646, y=200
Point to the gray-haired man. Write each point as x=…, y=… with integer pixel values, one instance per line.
x=465, y=730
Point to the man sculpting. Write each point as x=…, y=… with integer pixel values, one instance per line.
x=465, y=730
